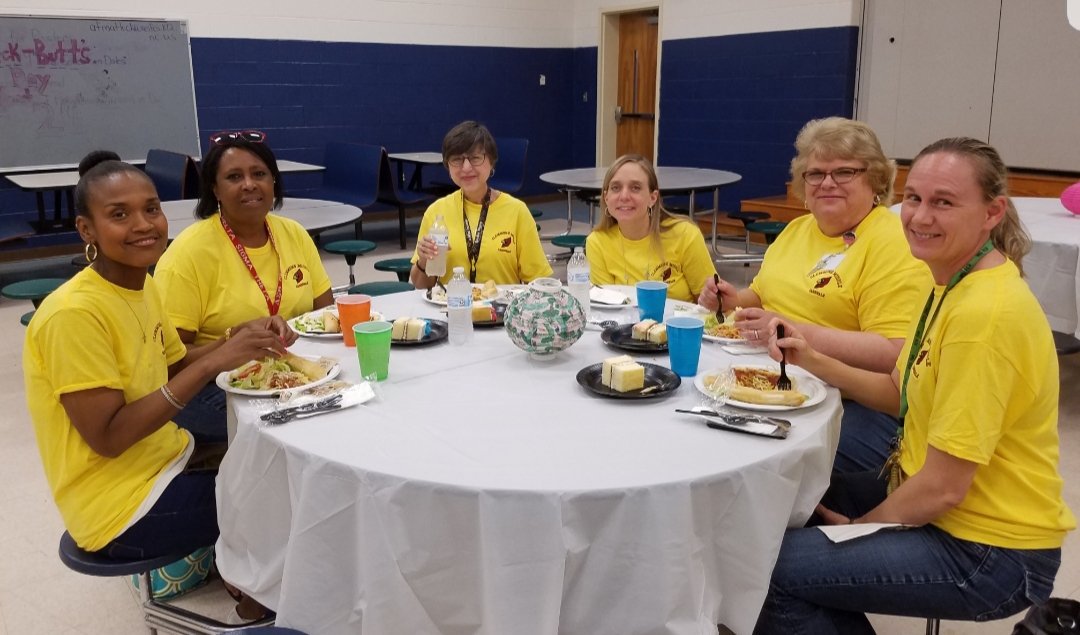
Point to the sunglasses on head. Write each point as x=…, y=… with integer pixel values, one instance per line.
x=254, y=136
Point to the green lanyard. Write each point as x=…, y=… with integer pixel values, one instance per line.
x=891, y=467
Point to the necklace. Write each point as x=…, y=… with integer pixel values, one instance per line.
x=626, y=262
x=142, y=327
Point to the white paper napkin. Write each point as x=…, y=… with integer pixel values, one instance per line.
x=744, y=349
x=608, y=296
x=842, y=533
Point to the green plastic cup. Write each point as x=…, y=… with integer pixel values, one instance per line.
x=373, y=348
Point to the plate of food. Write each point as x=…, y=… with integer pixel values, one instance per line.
x=486, y=292
x=725, y=333
x=646, y=336
x=271, y=375
x=487, y=316
x=413, y=331
x=321, y=323
x=623, y=378
x=753, y=387
x=609, y=298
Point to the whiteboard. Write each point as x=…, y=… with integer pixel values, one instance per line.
x=72, y=85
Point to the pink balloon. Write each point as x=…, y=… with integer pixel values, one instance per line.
x=1070, y=198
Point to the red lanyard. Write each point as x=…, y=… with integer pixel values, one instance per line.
x=271, y=306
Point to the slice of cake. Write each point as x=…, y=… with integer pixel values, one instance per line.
x=627, y=376
x=605, y=372
x=483, y=313
x=409, y=329
x=641, y=329
x=657, y=333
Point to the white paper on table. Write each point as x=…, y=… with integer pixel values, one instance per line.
x=608, y=296
x=842, y=533
x=744, y=349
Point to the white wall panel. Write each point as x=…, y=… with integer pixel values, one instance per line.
x=514, y=23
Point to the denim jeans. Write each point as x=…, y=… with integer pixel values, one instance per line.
x=866, y=437
x=182, y=520
x=204, y=416
x=821, y=587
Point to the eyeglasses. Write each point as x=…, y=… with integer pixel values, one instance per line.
x=254, y=136
x=839, y=175
x=474, y=159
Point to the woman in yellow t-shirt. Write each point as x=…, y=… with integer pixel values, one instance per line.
x=240, y=263
x=975, y=476
x=637, y=239
x=105, y=372
x=491, y=234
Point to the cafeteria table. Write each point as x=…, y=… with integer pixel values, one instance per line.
x=418, y=161
x=673, y=180
x=313, y=214
x=1052, y=267
x=482, y=491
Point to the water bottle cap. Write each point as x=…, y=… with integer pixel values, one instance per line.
x=459, y=269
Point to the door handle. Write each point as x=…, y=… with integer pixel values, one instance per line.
x=618, y=114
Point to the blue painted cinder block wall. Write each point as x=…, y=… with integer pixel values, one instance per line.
x=730, y=102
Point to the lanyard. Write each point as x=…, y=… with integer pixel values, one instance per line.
x=271, y=306
x=891, y=469
x=473, y=248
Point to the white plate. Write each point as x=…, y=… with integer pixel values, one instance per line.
x=375, y=315
x=629, y=292
x=442, y=302
x=222, y=382
x=725, y=340
x=804, y=382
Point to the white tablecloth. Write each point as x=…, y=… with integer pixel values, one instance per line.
x=484, y=492
x=1053, y=264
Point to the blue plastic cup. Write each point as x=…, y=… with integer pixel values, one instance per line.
x=684, y=344
x=651, y=296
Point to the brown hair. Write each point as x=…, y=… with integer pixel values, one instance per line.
x=1009, y=236
x=465, y=136
x=840, y=138
x=659, y=218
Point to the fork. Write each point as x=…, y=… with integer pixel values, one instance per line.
x=719, y=302
x=277, y=419
x=783, y=383
x=325, y=402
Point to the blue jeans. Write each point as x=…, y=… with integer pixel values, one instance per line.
x=204, y=416
x=182, y=520
x=821, y=587
x=866, y=437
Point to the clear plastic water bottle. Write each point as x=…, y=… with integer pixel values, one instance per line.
x=438, y=232
x=459, y=308
x=578, y=280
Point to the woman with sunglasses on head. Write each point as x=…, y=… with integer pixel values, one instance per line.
x=975, y=471
x=238, y=264
x=105, y=373
x=636, y=239
x=492, y=234
x=843, y=272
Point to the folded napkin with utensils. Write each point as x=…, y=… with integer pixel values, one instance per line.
x=608, y=296
x=739, y=422
x=328, y=397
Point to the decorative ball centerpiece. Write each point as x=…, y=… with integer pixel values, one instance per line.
x=1070, y=198
x=545, y=319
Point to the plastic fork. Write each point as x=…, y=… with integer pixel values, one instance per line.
x=783, y=383
x=719, y=302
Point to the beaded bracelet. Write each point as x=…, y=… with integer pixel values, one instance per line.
x=171, y=398
x=228, y=333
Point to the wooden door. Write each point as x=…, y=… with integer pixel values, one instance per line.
x=634, y=113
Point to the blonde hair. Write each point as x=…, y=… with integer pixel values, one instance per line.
x=840, y=138
x=659, y=218
x=1009, y=236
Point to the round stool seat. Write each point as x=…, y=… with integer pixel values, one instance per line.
x=535, y=212
x=771, y=229
x=26, y=317
x=400, y=266
x=1064, y=343
x=381, y=287
x=348, y=248
x=35, y=289
x=569, y=241
x=748, y=217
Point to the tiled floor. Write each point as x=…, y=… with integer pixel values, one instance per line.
x=39, y=596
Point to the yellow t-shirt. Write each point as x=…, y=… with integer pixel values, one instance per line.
x=90, y=334
x=869, y=286
x=984, y=388
x=510, y=250
x=207, y=288
x=684, y=263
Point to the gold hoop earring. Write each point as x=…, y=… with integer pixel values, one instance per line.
x=877, y=200
x=90, y=258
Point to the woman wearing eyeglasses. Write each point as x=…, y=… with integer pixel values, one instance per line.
x=238, y=264
x=844, y=272
x=492, y=234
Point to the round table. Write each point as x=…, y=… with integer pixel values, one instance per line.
x=482, y=491
x=672, y=180
x=312, y=213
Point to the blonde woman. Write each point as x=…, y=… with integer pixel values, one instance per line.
x=636, y=239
